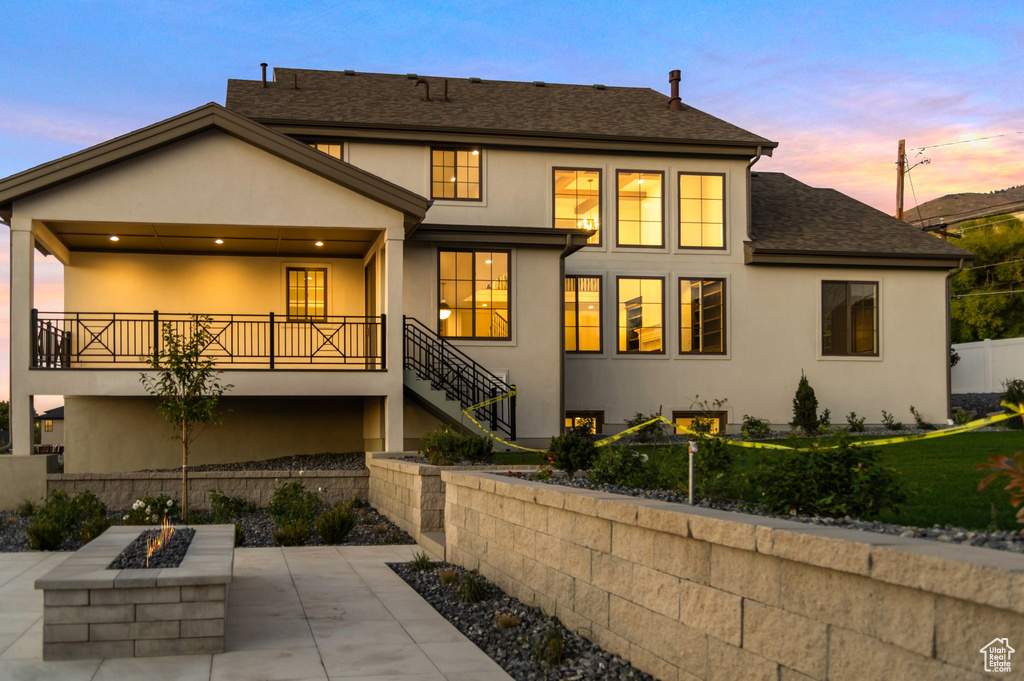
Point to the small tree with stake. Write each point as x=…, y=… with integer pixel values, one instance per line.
x=187, y=388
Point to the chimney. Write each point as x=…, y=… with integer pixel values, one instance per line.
x=264, y=67
x=675, y=104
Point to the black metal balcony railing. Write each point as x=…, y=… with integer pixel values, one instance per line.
x=462, y=379
x=70, y=340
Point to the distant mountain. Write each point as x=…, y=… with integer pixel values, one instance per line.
x=957, y=207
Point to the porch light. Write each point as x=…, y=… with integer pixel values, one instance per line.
x=446, y=311
x=218, y=241
x=319, y=243
x=115, y=238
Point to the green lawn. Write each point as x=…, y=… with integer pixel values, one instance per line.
x=939, y=471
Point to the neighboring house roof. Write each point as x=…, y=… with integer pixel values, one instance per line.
x=956, y=208
x=55, y=414
x=206, y=117
x=491, y=107
x=794, y=223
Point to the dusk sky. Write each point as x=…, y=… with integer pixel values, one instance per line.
x=837, y=84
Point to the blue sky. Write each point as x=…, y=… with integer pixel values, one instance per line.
x=836, y=83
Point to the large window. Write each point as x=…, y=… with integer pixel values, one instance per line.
x=702, y=316
x=455, y=174
x=714, y=421
x=701, y=211
x=640, y=208
x=578, y=201
x=641, y=314
x=327, y=148
x=307, y=293
x=849, y=318
x=582, y=314
x=474, y=294
x=594, y=419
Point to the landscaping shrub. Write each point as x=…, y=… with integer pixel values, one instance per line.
x=713, y=466
x=421, y=561
x=889, y=421
x=334, y=525
x=856, y=424
x=295, y=533
x=961, y=416
x=506, y=621
x=652, y=432
x=825, y=421
x=94, y=526
x=619, y=466
x=150, y=510
x=45, y=534
x=549, y=646
x=921, y=423
x=473, y=588
x=477, y=448
x=1013, y=468
x=805, y=407
x=292, y=503
x=755, y=428
x=445, y=447
x=26, y=509
x=239, y=535
x=62, y=516
x=1014, y=394
x=448, y=576
x=226, y=508
x=835, y=482
x=574, y=450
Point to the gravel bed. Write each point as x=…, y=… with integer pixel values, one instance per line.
x=170, y=555
x=425, y=460
x=373, y=529
x=513, y=648
x=982, y=403
x=1002, y=540
x=327, y=461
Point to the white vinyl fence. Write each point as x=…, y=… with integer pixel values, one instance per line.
x=984, y=365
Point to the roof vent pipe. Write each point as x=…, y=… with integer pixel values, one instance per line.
x=675, y=104
x=264, y=67
x=426, y=88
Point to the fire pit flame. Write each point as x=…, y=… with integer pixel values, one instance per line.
x=154, y=544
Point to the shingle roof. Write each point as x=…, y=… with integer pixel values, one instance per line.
x=790, y=216
x=55, y=414
x=379, y=100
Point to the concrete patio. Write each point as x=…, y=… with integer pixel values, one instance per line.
x=294, y=614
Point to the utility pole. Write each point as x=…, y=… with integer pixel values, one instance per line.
x=900, y=171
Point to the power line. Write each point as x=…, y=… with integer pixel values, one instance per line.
x=978, y=139
x=987, y=224
x=914, y=193
x=996, y=293
x=975, y=210
x=995, y=264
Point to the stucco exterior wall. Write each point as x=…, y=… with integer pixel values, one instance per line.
x=693, y=593
x=53, y=437
x=127, y=434
x=135, y=282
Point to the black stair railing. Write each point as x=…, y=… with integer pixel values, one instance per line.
x=461, y=378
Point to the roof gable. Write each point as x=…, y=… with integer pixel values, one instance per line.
x=207, y=117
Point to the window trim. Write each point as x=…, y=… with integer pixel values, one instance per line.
x=725, y=319
x=722, y=416
x=480, y=171
x=640, y=353
x=600, y=200
x=287, y=301
x=725, y=221
x=600, y=314
x=618, y=218
x=878, y=325
x=508, y=254
x=596, y=414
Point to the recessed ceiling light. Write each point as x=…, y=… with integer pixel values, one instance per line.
x=640, y=181
x=319, y=243
x=488, y=262
x=218, y=241
x=485, y=304
x=453, y=179
x=115, y=238
x=476, y=152
x=591, y=307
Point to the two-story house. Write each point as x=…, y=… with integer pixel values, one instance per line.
x=380, y=251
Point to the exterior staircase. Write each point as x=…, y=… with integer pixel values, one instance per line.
x=445, y=381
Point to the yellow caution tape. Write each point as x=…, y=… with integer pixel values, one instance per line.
x=479, y=425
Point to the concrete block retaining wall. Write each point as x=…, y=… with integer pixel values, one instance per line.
x=690, y=593
x=120, y=490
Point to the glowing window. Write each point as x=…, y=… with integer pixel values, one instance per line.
x=641, y=315
x=48, y=426
x=594, y=419
x=702, y=316
x=582, y=314
x=578, y=201
x=713, y=421
x=475, y=287
x=455, y=174
x=329, y=149
x=640, y=209
x=307, y=293
x=849, y=318
x=701, y=211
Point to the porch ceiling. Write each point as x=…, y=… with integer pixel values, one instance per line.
x=201, y=239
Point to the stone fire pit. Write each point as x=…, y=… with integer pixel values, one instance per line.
x=93, y=612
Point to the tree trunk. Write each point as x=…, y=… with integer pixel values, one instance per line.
x=184, y=477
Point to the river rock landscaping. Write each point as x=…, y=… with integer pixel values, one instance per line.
x=521, y=638
x=327, y=461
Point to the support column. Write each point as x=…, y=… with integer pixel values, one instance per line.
x=393, y=273
x=22, y=278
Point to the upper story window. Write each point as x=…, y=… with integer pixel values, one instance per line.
x=329, y=149
x=582, y=314
x=474, y=294
x=455, y=174
x=307, y=293
x=641, y=314
x=640, y=208
x=849, y=318
x=701, y=211
x=578, y=201
x=702, y=316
